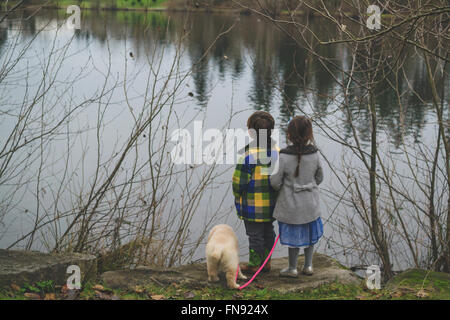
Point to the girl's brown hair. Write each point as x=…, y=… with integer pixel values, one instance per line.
x=300, y=133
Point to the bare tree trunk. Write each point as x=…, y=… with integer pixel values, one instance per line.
x=380, y=240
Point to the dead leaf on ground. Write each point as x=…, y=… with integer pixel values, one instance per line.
x=189, y=295
x=98, y=287
x=157, y=297
x=259, y=286
x=33, y=296
x=361, y=297
x=138, y=289
x=15, y=287
x=422, y=294
x=49, y=296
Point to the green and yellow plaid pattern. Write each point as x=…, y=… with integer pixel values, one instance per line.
x=254, y=196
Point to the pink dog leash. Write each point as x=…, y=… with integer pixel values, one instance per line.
x=260, y=268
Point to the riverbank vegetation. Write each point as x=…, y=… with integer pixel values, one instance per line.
x=97, y=4
x=272, y=7
x=411, y=285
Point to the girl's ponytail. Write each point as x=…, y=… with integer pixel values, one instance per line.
x=300, y=132
x=298, y=164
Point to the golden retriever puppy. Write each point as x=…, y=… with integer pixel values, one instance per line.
x=222, y=254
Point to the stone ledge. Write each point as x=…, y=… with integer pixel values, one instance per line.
x=20, y=267
x=326, y=270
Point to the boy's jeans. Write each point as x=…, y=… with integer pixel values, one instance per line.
x=261, y=236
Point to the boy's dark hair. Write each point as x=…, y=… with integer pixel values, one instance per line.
x=300, y=132
x=261, y=120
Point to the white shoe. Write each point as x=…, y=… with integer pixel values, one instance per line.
x=289, y=273
x=308, y=271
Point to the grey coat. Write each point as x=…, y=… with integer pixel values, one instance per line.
x=298, y=198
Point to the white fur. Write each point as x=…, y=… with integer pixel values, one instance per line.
x=222, y=254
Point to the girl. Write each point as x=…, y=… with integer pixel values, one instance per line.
x=297, y=207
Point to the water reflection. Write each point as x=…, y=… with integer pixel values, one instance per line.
x=284, y=77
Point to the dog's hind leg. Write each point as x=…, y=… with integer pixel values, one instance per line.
x=231, y=278
x=212, y=266
x=231, y=269
x=241, y=275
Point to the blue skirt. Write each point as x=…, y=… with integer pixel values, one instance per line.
x=300, y=235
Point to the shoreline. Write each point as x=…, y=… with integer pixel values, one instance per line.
x=223, y=10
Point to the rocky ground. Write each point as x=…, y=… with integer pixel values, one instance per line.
x=33, y=275
x=327, y=270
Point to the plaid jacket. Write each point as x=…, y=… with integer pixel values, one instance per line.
x=254, y=196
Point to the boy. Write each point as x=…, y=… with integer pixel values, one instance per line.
x=254, y=197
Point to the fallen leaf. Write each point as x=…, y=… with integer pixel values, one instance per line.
x=98, y=287
x=33, y=296
x=64, y=289
x=189, y=295
x=361, y=297
x=259, y=286
x=422, y=294
x=15, y=287
x=138, y=289
x=157, y=297
x=49, y=296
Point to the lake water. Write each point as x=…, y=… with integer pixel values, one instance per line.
x=253, y=66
